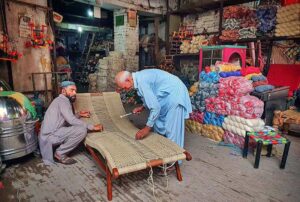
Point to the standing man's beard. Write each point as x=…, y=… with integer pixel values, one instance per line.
x=71, y=98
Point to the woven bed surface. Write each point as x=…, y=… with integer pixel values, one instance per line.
x=117, y=142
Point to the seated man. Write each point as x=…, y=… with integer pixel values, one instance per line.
x=62, y=128
x=165, y=96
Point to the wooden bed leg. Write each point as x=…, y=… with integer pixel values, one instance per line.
x=178, y=172
x=109, y=184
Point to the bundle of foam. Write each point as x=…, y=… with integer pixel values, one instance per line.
x=239, y=125
x=260, y=84
x=246, y=106
x=207, y=87
x=234, y=86
x=288, y=19
x=207, y=130
x=197, y=116
x=213, y=119
x=231, y=138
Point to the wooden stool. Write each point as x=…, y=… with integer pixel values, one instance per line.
x=269, y=138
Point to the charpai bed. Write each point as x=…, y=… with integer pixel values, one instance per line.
x=115, y=149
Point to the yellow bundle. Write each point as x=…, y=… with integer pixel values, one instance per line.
x=193, y=89
x=193, y=126
x=227, y=67
x=213, y=132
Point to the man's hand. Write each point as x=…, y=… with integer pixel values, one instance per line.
x=98, y=128
x=138, y=110
x=85, y=114
x=143, y=133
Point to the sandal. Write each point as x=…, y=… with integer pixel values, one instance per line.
x=64, y=160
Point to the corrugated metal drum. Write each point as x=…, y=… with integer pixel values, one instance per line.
x=17, y=136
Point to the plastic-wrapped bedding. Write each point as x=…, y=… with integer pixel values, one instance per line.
x=239, y=125
x=231, y=138
x=207, y=87
x=234, y=86
x=197, y=116
x=210, y=77
x=250, y=70
x=247, y=106
x=213, y=119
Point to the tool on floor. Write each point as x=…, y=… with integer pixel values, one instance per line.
x=125, y=115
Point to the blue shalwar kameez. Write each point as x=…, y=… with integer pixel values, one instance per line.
x=167, y=99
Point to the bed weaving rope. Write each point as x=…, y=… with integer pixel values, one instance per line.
x=117, y=142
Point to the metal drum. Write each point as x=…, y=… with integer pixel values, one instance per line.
x=17, y=136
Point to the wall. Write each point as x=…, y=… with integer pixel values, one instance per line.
x=3, y=64
x=126, y=40
x=34, y=59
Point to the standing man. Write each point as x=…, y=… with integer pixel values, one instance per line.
x=62, y=128
x=165, y=96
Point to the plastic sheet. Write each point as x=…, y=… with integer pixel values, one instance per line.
x=234, y=86
x=213, y=119
x=247, y=106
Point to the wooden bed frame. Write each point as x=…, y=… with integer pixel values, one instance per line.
x=115, y=174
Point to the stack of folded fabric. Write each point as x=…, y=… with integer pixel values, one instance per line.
x=248, y=72
x=260, y=84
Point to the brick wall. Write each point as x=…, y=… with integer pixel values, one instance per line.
x=126, y=41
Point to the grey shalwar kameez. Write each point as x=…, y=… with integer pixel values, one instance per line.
x=54, y=130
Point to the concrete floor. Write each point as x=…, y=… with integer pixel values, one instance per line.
x=216, y=173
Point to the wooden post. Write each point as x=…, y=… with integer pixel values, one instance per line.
x=221, y=18
x=167, y=34
x=178, y=172
x=156, y=47
x=109, y=184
